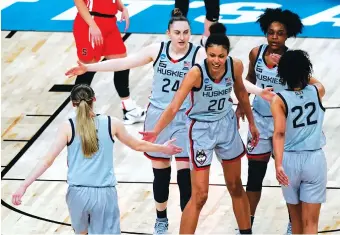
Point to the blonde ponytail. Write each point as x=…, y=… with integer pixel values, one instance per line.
x=82, y=96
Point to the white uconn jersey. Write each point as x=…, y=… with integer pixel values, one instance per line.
x=305, y=115
x=265, y=77
x=169, y=74
x=211, y=101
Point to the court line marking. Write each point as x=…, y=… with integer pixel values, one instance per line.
x=149, y=182
x=10, y=35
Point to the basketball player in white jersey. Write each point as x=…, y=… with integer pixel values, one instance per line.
x=298, y=140
x=212, y=127
x=89, y=138
x=171, y=61
x=278, y=25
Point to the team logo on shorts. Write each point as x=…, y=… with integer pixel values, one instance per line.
x=201, y=157
x=249, y=146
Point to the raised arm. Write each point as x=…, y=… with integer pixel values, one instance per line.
x=142, y=57
x=55, y=149
x=250, y=80
x=118, y=129
x=243, y=99
x=278, y=112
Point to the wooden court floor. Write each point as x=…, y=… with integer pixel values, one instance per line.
x=34, y=101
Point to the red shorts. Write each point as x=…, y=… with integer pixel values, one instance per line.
x=113, y=42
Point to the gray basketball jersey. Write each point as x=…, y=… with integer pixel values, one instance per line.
x=211, y=101
x=265, y=77
x=169, y=74
x=305, y=115
x=97, y=170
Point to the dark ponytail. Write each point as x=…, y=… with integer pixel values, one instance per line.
x=218, y=36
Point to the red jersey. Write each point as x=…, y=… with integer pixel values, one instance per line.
x=109, y=7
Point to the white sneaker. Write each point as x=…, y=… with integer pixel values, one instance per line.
x=134, y=116
x=132, y=113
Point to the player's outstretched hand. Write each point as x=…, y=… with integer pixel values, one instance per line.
x=78, y=70
x=171, y=149
x=16, y=197
x=267, y=94
x=149, y=136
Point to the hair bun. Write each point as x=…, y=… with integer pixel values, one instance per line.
x=218, y=28
x=176, y=12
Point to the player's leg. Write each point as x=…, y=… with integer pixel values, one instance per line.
x=161, y=168
x=295, y=212
x=229, y=152
x=114, y=47
x=313, y=189
x=199, y=196
x=310, y=217
x=200, y=152
x=162, y=175
x=183, y=181
x=258, y=158
x=257, y=167
x=182, y=159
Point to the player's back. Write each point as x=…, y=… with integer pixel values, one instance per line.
x=97, y=170
x=305, y=115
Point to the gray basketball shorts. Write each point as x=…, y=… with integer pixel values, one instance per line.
x=176, y=129
x=221, y=137
x=307, y=175
x=93, y=209
x=264, y=148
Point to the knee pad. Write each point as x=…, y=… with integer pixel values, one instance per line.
x=121, y=81
x=184, y=184
x=256, y=172
x=161, y=184
x=183, y=5
x=85, y=78
x=212, y=8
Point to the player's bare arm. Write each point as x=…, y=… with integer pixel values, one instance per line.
x=279, y=116
x=192, y=79
x=242, y=96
